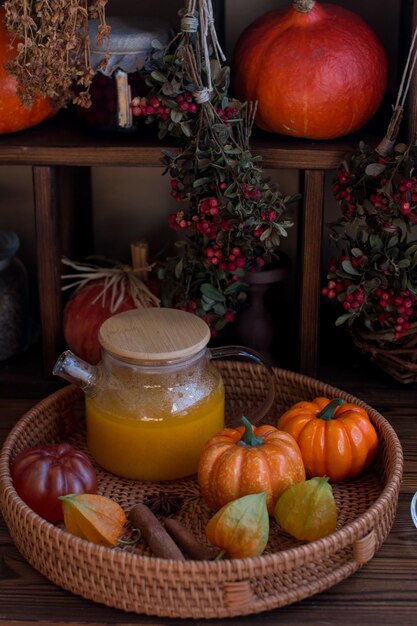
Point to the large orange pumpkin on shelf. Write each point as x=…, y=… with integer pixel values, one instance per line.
x=13, y=115
x=318, y=71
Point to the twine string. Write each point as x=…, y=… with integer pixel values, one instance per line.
x=202, y=20
x=408, y=72
x=189, y=24
x=204, y=31
x=386, y=146
x=212, y=30
x=189, y=19
x=202, y=96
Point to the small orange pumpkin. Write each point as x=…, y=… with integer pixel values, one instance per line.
x=336, y=438
x=240, y=461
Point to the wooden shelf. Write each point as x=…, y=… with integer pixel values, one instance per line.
x=64, y=140
x=61, y=152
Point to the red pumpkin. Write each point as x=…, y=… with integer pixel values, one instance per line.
x=84, y=313
x=317, y=70
x=13, y=115
x=44, y=473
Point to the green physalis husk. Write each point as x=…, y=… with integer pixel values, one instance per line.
x=307, y=510
x=241, y=527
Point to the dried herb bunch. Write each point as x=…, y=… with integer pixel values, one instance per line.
x=53, y=47
x=231, y=218
x=375, y=277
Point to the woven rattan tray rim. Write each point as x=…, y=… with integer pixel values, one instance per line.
x=255, y=566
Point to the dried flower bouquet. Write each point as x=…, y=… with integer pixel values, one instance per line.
x=53, y=47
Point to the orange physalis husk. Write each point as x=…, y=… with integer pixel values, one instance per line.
x=241, y=527
x=93, y=517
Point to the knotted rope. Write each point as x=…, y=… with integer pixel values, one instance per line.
x=201, y=20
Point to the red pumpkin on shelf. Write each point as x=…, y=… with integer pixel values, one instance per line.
x=115, y=290
x=13, y=115
x=84, y=313
x=318, y=71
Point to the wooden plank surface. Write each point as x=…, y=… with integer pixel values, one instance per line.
x=311, y=227
x=383, y=592
x=48, y=221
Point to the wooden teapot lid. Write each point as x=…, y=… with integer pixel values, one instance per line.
x=153, y=334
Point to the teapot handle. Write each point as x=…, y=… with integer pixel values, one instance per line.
x=242, y=352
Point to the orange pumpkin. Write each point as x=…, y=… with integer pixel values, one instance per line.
x=317, y=70
x=336, y=439
x=240, y=461
x=13, y=115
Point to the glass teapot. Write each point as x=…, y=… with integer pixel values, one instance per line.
x=155, y=397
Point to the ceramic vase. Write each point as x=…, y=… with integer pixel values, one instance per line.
x=255, y=324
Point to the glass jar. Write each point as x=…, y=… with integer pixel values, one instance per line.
x=156, y=397
x=117, y=64
x=14, y=298
x=179, y=407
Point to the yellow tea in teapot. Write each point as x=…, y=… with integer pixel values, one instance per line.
x=154, y=444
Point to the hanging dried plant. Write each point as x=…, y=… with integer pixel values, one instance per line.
x=232, y=218
x=53, y=47
x=373, y=277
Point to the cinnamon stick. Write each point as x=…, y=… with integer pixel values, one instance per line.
x=188, y=542
x=157, y=538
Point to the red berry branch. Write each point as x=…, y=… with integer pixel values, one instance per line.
x=375, y=277
x=231, y=218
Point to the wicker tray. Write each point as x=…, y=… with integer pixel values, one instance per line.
x=131, y=579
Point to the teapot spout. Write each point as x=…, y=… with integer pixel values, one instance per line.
x=77, y=371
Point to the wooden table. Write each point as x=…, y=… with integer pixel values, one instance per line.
x=383, y=592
